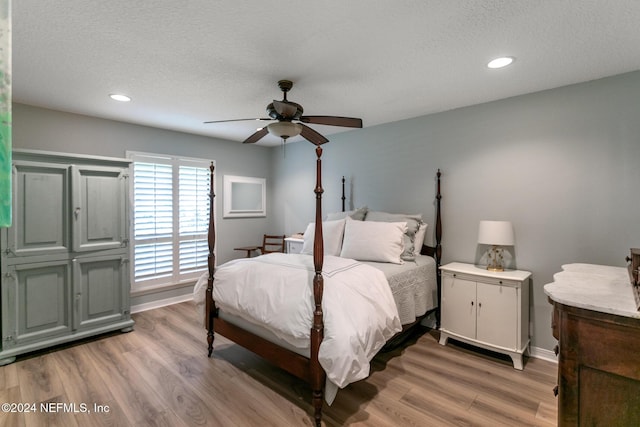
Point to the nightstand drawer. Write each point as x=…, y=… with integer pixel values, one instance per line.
x=487, y=280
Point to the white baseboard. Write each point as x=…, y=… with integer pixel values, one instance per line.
x=544, y=354
x=161, y=303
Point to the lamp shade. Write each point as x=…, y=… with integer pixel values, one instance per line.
x=499, y=233
x=284, y=129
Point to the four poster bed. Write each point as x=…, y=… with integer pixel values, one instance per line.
x=325, y=292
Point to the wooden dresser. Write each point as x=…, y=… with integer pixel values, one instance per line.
x=598, y=330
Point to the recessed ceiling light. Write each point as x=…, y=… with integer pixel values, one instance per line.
x=501, y=62
x=119, y=97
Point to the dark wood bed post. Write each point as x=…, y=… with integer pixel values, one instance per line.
x=343, y=197
x=317, y=330
x=438, y=251
x=210, y=305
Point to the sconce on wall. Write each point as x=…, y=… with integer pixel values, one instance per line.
x=496, y=234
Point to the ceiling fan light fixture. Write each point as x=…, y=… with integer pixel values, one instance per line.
x=284, y=129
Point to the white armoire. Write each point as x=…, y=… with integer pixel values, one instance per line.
x=65, y=259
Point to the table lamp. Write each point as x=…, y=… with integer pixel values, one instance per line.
x=496, y=234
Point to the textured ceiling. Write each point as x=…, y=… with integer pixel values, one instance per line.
x=187, y=61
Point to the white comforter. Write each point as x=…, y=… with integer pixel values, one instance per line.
x=276, y=291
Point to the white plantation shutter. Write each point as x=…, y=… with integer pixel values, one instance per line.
x=194, y=218
x=170, y=219
x=152, y=220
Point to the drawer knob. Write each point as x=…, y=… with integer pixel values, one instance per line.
x=556, y=350
x=555, y=391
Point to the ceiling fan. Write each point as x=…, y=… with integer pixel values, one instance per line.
x=290, y=122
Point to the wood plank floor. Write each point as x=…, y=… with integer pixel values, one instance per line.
x=159, y=375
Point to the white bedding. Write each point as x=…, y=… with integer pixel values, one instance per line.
x=413, y=285
x=359, y=311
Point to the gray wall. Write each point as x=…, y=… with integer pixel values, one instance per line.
x=43, y=129
x=563, y=165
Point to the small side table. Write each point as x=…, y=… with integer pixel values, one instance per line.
x=249, y=249
x=486, y=309
x=293, y=245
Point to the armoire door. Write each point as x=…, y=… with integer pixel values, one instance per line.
x=40, y=210
x=99, y=200
x=100, y=290
x=35, y=302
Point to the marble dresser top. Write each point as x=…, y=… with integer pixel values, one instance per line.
x=594, y=287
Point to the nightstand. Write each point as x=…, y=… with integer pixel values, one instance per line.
x=486, y=309
x=293, y=245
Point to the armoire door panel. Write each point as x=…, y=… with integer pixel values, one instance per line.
x=40, y=209
x=42, y=296
x=98, y=282
x=98, y=203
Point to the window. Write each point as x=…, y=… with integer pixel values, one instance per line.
x=170, y=219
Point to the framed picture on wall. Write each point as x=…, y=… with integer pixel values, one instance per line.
x=244, y=197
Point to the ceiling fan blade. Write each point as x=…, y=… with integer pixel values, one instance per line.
x=312, y=136
x=235, y=120
x=256, y=136
x=285, y=109
x=348, y=122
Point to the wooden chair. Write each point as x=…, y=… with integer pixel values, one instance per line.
x=272, y=243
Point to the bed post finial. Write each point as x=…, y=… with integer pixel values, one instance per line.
x=210, y=305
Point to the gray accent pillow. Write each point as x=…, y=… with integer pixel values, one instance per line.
x=413, y=224
x=357, y=214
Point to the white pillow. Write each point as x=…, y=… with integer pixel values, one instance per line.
x=413, y=224
x=419, y=240
x=332, y=232
x=374, y=241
